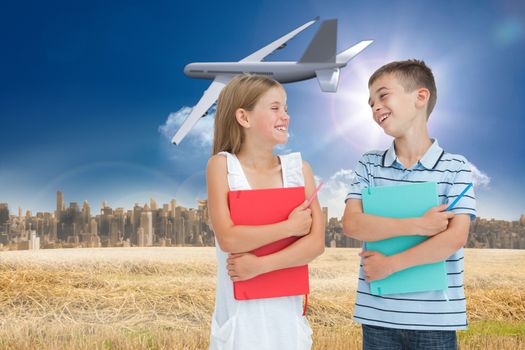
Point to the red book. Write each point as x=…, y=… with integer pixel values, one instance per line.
x=264, y=207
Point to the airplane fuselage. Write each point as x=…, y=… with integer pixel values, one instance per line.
x=283, y=72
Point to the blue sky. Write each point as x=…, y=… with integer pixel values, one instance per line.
x=89, y=89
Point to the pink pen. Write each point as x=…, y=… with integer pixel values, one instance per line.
x=313, y=195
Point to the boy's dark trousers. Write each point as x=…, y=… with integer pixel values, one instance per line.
x=380, y=338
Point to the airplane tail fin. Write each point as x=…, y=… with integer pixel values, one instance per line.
x=329, y=78
x=323, y=47
x=350, y=53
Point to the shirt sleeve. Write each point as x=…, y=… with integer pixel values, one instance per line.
x=359, y=180
x=467, y=203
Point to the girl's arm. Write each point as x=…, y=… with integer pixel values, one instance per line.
x=246, y=266
x=239, y=238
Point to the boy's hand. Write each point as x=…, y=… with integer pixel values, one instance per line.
x=243, y=266
x=435, y=220
x=376, y=266
x=300, y=220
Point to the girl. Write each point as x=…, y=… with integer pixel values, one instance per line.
x=250, y=120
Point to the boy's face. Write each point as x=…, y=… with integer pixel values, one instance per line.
x=395, y=110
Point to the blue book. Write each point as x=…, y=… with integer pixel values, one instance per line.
x=404, y=201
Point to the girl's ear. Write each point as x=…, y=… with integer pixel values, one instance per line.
x=422, y=97
x=242, y=117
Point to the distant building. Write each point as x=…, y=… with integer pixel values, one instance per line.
x=146, y=225
x=34, y=241
x=172, y=225
x=141, y=237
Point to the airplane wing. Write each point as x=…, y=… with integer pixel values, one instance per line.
x=348, y=54
x=257, y=56
x=207, y=100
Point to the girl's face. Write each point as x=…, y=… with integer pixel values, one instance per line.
x=268, y=121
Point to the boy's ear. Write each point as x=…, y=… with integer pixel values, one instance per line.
x=423, y=95
x=242, y=117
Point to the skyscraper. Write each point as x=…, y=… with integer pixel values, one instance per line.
x=61, y=206
x=325, y=216
x=141, y=237
x=60, y=202
x=153, y=204
x=4, y=213
x=147, y=226
x=86, y=216
x=135, y=221
x=173, y=205
x=93, y=229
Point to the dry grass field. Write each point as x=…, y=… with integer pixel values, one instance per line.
x=162, y=298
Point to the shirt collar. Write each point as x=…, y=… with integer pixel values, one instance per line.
x=429, y=159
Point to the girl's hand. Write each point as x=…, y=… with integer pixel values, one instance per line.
x=435, y=220
x=300, y=220
x=243, y=266
x=376, y=266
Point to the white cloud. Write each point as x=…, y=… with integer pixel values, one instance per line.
x=283, y=149
x=479, y=178
x=200, y=135
x=334, y=191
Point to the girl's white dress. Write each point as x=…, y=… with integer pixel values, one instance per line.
x=259, y=324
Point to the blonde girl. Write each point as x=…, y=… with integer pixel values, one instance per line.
x=250, y=120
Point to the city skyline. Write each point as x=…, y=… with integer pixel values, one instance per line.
x=173, y=225
x=104, y=203
x=75, y=226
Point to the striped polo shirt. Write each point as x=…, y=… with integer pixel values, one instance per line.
x=435, y=310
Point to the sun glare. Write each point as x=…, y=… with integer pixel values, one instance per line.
x=349, y=112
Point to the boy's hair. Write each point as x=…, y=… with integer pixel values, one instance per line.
x=243, y=91
x=412, y=75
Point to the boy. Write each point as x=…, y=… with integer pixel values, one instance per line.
x=402, y=96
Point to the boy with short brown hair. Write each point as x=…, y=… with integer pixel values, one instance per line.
x=402, y=96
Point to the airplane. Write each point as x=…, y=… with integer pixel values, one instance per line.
x=319, y=60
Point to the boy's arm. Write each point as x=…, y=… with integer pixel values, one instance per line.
x=245, y=265
x=437, y=248
x=369, y=228
x=366, y=227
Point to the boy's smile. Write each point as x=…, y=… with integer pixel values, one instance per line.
x=382, y=117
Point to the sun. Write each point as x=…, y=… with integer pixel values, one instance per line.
x=349, y=112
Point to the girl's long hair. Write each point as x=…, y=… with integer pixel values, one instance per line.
x=243, y=91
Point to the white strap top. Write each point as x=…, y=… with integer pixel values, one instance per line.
x=269, y=323
x=291, y=165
